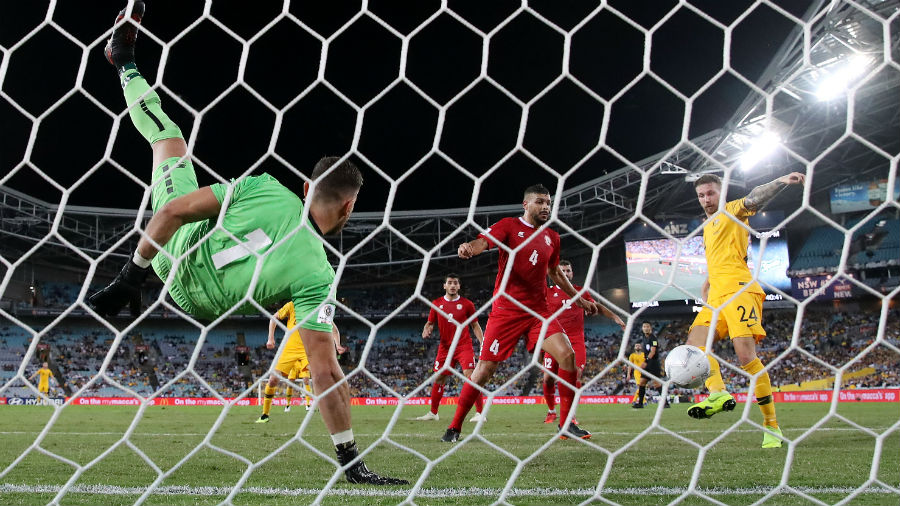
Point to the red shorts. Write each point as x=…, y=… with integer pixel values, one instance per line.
x=464, y=356
x=506, y=326
x=580, y=355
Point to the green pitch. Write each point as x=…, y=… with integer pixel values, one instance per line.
x=828, y=464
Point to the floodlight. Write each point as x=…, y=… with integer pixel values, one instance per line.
x=759, y=149
x=841, y=76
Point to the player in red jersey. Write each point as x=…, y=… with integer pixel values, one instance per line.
x=535, y=258
x=572, y=320
x=452, y=310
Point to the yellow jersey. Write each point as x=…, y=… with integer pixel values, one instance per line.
x=726, y=243
x=636, y=358
x=44, y=381
x=287, y=313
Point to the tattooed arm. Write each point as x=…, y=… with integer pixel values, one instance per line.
x=764, y=193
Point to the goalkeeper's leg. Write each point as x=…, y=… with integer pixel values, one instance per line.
x=335, y=407
x=145, y=111
x=173, y=173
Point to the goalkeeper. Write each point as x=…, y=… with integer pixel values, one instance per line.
x=215, y=272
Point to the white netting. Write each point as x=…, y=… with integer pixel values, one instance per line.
x=770, y=89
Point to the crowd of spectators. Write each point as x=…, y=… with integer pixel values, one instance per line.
x=401, y=360
x=390, y=297
x=61, y=295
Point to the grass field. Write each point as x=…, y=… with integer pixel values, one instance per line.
x=827, y=465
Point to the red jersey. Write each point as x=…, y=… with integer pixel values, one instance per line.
x=456, y=311
x=527, y=280
x=572, y=317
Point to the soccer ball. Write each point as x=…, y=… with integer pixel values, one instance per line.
x=687, y=366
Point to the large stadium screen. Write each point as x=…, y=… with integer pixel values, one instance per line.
x=651, y=261
x=853, y=197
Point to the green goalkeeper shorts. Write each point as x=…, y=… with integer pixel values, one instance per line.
x=171, y=179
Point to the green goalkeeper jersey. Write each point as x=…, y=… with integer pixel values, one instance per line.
x=265, y=217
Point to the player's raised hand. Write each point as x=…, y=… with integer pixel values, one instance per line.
x=465, y=250
x=793, y=178
x=124, y=290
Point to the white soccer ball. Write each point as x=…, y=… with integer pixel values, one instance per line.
x=687, y=366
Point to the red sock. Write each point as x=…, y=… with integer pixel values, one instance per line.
x=566, y=394
x=467, y=397
x=479, y=402
x=437, y=392
x=550, y=395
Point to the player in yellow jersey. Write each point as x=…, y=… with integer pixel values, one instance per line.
x=636, y=358
x=44, y=374
x=730, y=286
x=292, y=363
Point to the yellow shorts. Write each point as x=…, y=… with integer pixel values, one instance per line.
x=44, y=389
x=293, y=357
x=637, y=376
x=300, y=370
x=741, y=317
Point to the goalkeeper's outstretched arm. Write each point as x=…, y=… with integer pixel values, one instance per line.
x=125, y=290
x=200, y=204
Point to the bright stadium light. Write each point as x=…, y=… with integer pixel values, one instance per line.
x=841, y=76
x=759, y=149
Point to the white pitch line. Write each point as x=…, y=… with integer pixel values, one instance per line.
x=426, y=435
x=176, y=490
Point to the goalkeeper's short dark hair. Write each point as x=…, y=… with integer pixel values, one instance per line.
x=341, y=182
x=538, y=189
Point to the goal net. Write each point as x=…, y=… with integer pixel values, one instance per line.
x=451, y=109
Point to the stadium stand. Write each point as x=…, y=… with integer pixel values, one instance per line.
x=401, y=359
x=821, y=251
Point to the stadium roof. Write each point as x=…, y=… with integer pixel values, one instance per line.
x=810, y=127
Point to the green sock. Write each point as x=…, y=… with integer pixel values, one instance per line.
x=145, y=110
